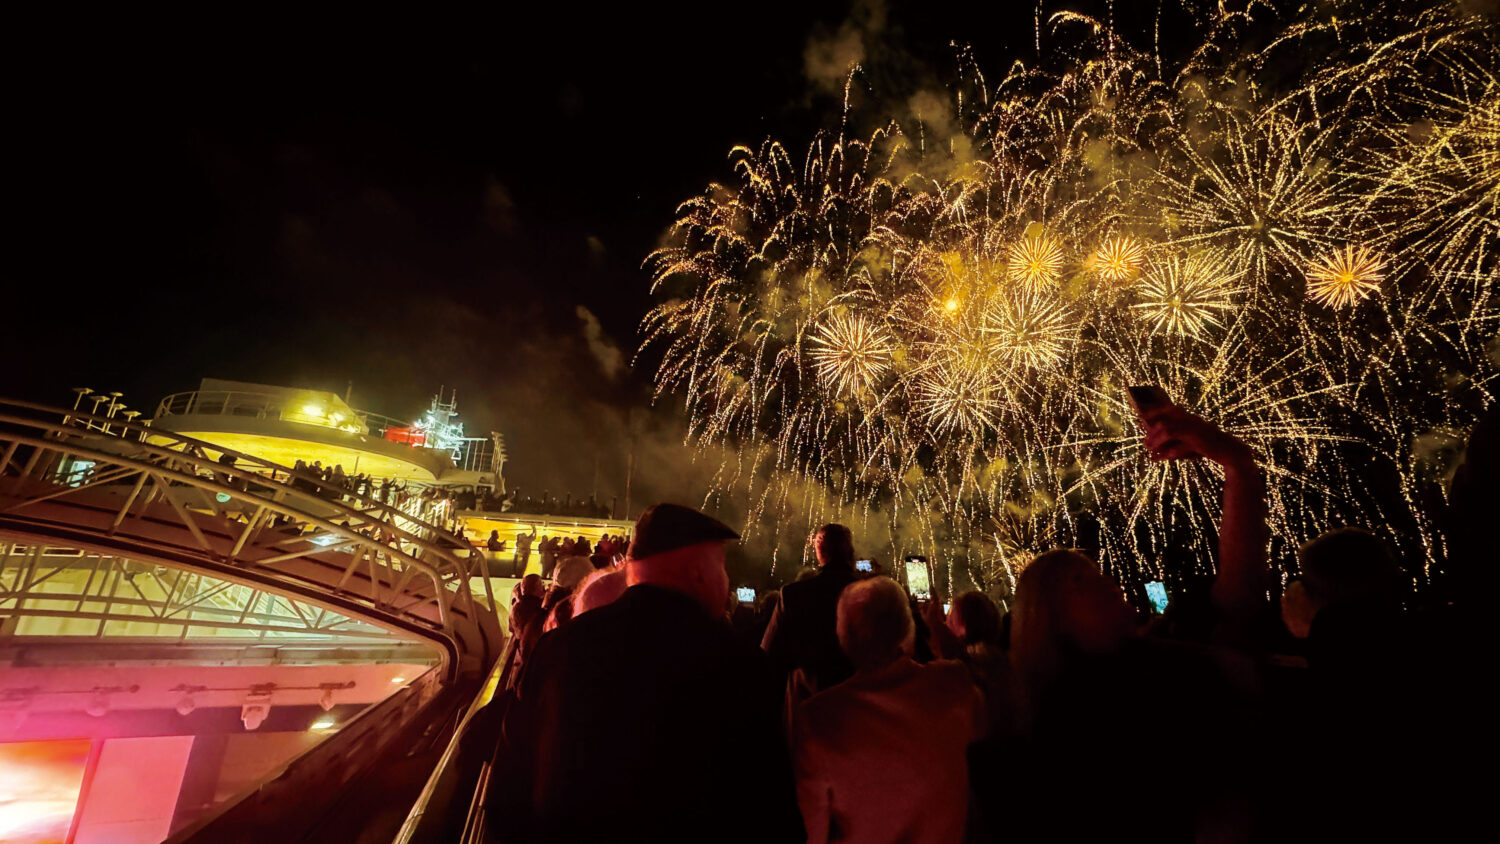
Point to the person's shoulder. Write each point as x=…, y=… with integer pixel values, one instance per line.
x=655, y=606
x=827, y=582
x=1153, y=654
x=950, y=676
x=816, y=710
x=831, y=581
x=796, y=588
x=603, y=626
x=944, y=669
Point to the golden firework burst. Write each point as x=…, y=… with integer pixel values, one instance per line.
x=1030, y=329
x=1345, y=277
x=1118, y=259
x=964, y=411
x=956, y=394
x=1035, y=261
x=850, y=353
x=1186, y=296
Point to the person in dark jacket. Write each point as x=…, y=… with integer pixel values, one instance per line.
x=647, y=719
x=801, y=639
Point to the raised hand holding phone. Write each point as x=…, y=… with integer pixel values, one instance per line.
x=1147, y=399
x=1149, y=402
x=1173, y=433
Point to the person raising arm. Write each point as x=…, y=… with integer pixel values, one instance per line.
x=1239, y=590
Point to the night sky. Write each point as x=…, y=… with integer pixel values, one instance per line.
x=408, y=203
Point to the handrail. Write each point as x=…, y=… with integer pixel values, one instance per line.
x=415, y=548
x=265, y=405
x=494, y=684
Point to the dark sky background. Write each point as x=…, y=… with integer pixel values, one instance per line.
x=408, y=203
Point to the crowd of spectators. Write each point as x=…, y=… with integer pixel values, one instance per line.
x=431, y=503
x=516, y=502
x=442, y=505
x=333, y=483
x=1330, y=707
x=570, y=564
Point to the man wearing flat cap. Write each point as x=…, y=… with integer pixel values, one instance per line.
x=647, y=719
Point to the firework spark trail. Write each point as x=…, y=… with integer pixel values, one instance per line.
x=938, y=335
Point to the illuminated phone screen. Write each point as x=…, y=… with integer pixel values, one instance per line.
x=1157, y=592
x=863, y=565
x=918, y=579
x=746, y=594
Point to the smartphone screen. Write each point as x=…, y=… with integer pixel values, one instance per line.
x=1157, y=592
x=745, y=594
x=863, y=565
x=919, y=578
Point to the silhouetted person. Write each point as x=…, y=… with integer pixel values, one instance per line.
x=1363, y=677
x=547, y=548
x=1457, y=633
x=645, y=720
x=523, y=550
x=974, y=622
x=1117, y=737
x=880, y=756
x=801, y=639
x=228, y=461
x=494, y=543
x=1347, y=601
x=526, y=617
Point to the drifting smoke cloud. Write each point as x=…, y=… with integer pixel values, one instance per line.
x=829, y=60
x=609, y=357
x=829, y=57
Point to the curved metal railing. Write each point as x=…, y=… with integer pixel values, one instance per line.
x=61, y=478
x=270, y=406
x=466, y=765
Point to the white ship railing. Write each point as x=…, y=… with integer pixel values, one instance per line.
x=63, y=482
x=271, y=406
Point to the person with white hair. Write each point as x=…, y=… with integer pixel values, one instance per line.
x=566, y=578
x=599, y=588
x=881, y=756
x=570, y=571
